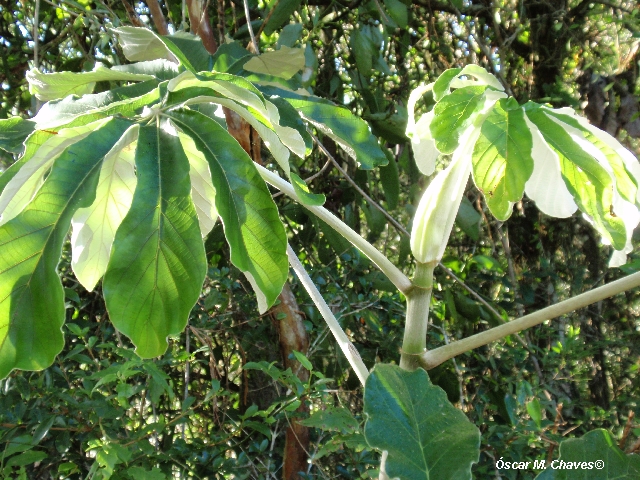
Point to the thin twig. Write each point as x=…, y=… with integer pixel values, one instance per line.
x=158, y=17
x=247, y=14
x=433, y=358
x=349, y=350
x=392, y=220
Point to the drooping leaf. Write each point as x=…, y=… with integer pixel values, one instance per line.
x=160, y=69
x=31, y=293
x=588, y=182
x=398, y=11
x=51, y=86
x=442, y=85
x=259, y=112
x=604, y=148
x=203, y=193
x=250, y=218
x=363, y=49
x=425, y=435
x=390, y=180
x=13, y=133
x=279, y=13
x=125, y=101
x=594, y=456
x=27, y=181
x=453, y=114
x=157, y=263
x=283, y=63
x=141, y=44
x=347, y=130
x=94, y=227
x=502, y=161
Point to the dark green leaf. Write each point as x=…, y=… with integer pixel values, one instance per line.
x=31, y=294
x=13, y=133
x=468, y=219
x=349, y=131
x=157, y=264
x=596, y=446
x=279, y=13
x=425, y=435
x=332, y=419
x=189, y=50
x=251, y=222
x=390, y=182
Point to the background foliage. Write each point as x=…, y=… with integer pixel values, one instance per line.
x=217, y=403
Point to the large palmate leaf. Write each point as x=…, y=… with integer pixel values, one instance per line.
x=555, y=157
x=157, y=263
x=31, y=294
x=427, y=438
x=595, y=456
x=250, y=218
x=239, y=95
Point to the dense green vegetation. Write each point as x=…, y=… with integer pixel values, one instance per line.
x=231, y=394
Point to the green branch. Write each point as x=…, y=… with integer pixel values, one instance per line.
x=433, y=358
x=394, y=274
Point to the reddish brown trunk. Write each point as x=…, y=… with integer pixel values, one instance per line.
x=293, y=336
x=200, y=24
x=291, y=331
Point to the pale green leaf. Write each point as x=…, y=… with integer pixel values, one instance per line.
x=502, y=160
x=589, y=182
x=157, y=263
x=250, y=218
x=453, y=114
x=284, y=62
x=482, y=77
x=160, y=69
x=31, y=294
x=51, y=86
x=94, y=227
x=546, y=186
x=426, y=437
x=604, y=148
x=23, y=186
x=442, y=85
x=125, y=101
x=203, y=193
x=140, y=44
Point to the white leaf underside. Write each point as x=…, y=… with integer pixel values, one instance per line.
x=203, y=193
x=94, y=228
x=546, y=186
x=51, y=86
x=22, y=188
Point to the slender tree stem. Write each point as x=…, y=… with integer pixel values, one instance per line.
x=433, y=358
x=414, y=342
x=345, y=344
x=394, y=274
